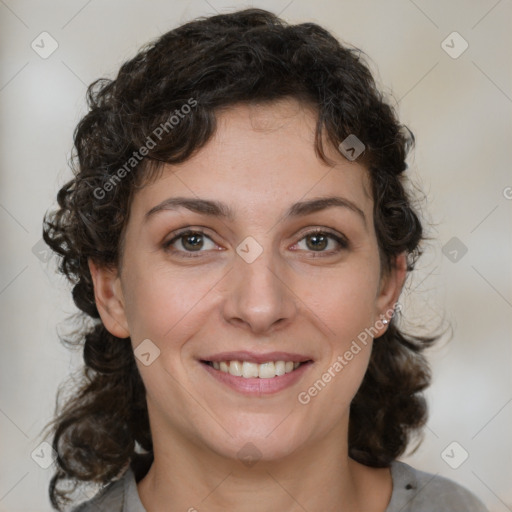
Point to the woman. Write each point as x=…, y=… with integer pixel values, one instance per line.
x=239, y=231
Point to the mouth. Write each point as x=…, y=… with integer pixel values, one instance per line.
x=256, y=374
x=251, y=370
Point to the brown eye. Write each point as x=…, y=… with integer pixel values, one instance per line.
x=192, y=242
x=319, y=241
x=188, y=242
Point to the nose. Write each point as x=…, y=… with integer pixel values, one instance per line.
x=259, y=296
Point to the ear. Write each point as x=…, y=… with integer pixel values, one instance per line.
x=391, y=285
x=109, y=299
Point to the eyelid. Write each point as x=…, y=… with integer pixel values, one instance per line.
x=339, y=238
x=320, y=229
x=176, y=235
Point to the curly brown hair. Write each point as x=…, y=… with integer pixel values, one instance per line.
x=245, y=56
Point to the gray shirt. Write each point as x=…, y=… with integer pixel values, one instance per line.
x=413, y=491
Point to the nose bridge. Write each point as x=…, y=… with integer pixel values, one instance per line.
x=259, y=296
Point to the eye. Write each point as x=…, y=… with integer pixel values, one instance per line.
x=318, y=240
x=191, y=241
x=188, y=242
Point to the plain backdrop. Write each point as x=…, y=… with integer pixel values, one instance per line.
x=457, y=104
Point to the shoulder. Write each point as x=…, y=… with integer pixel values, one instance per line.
x=110, y=498
x=419, y=491
x=121, y=495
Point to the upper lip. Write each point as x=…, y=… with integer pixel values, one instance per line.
x=254, y=357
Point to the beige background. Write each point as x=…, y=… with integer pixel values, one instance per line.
x=460, y=111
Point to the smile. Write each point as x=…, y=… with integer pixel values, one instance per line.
x=253, y=378
x=248, y=370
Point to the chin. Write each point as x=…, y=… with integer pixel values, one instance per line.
x=250, y=441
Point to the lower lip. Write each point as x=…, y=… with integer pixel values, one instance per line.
x=257, y=386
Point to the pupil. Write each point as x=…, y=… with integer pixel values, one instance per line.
x=193, y=245
x=317, y=238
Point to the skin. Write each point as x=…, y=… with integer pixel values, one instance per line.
x=294, y=297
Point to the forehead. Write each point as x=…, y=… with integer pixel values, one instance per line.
x=260, y=158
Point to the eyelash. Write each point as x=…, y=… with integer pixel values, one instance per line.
x=343, y=243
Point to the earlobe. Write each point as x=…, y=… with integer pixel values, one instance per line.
x=109, y=299
x=390, y=289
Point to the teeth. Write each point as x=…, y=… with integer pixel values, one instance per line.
x=267, y=370
x=280, y=367
x=235, y=368
x=250, y=370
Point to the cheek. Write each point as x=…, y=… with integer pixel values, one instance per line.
x=161, y=302
x=343, y=299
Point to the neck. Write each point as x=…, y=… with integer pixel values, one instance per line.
x=185, y=476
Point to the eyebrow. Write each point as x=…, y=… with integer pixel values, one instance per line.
x=223, y=211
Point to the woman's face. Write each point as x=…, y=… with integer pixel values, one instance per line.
x=255, y=286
